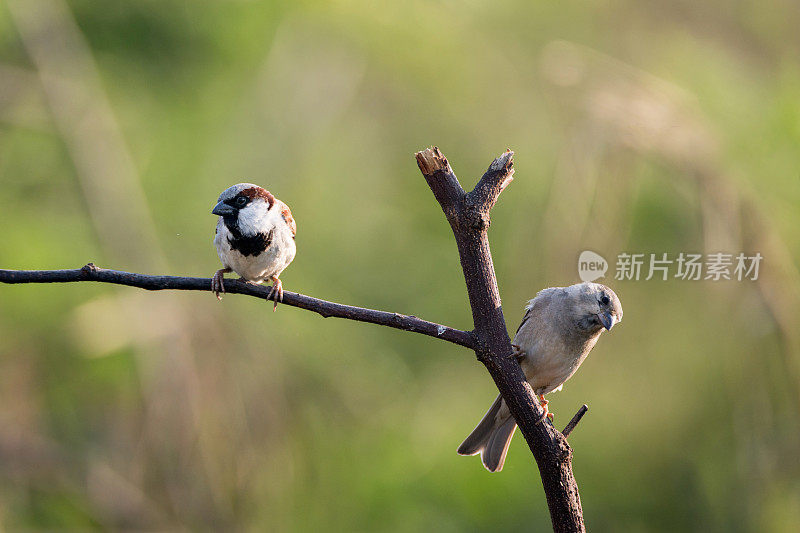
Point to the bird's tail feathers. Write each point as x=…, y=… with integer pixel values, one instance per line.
x=491, y=438
x=494, y=455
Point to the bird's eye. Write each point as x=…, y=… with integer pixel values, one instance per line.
x=241, y=201
x=604, y=300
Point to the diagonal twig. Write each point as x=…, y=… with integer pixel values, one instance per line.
x=575, y=419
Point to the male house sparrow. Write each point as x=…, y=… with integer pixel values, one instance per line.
x=254, y=237
x=560, y=327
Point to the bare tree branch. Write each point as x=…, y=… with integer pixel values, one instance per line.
x=575, y=419
x=497, y=178
x=325, y=308
x=468, y=215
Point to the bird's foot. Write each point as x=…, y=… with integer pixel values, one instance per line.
x=276, y=292
x=217, y=285
x=544, y=403
x=518, y=353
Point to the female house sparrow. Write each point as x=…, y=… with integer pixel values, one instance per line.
x=560, y=328
x=254, y=237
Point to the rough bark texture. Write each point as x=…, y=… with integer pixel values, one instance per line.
x=468, y=215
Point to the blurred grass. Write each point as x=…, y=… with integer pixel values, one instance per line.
x=638, y=126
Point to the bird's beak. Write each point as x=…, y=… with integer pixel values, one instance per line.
x=607, y=319
x=222, y=209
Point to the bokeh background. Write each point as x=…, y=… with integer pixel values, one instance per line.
x=639, y=126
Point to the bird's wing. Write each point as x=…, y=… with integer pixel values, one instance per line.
x=526, y=317
x=535, y=306
x=287, y=217
x=536, y=333
x=547, y=294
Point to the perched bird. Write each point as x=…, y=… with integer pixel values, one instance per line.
x=560, y=327
x=254, y=237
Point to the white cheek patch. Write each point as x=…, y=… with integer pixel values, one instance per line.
x=253, y=218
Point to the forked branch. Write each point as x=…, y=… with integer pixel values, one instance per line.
x=468, y=215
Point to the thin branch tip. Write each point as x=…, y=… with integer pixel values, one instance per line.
x=575, y=419
x=496, y=178
x=505, y=161
x=431, y=160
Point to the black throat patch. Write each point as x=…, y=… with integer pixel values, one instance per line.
x=252, y=245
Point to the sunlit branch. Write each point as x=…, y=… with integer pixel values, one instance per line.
x=323, y=307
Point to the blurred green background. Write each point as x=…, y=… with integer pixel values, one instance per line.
x=639, y=126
